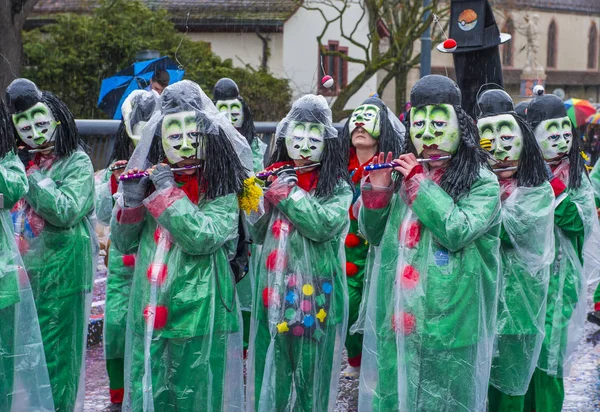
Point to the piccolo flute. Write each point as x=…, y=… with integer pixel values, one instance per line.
x=118, y=167
x=389, y=165
x=264, y=175
x=41, y=150
x=139, y=175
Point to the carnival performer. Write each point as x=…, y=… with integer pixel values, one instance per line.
x=24, y=382
x=372, y=128
x=56, y=237
x=137, y=109
x=575, y=223
x=526, y=249
x=431, y=312
x=226, y=96
x=594, y=316
x=300, y=304
x=184, y=343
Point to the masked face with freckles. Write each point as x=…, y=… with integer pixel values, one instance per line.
x=181, y=140
x=434, y=129
x=233, y=110
x=36, y=125
x=305, y=141
x=503, y=136
x=555, y=137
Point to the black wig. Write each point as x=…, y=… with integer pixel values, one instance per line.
x=227, y=89
x=7, y=139
x=389, y=140
x=22, y=94
x=531, y=170
x=549, y=106
x=123, y=147
x=466, y=163
x=334, y=161
x=222, y=172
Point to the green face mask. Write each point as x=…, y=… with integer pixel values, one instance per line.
x=36, y=125
x=305, y=141
x=367, y=117
x=180, y=137
x=504, y=136
x=555, y=137
x=233, y=110
x=434, y=127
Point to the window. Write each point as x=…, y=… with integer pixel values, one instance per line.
x=334, y=66
x=552, y=46
x=507, y=48
x=593, y=47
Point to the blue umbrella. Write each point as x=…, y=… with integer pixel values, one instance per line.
x=115, y=89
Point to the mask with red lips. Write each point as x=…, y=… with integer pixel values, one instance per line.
x=434, y=127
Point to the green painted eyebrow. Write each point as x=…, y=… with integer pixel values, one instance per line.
x=315, y=128
x=566, y=123
x=552, y=124
x=20, y=117
x=440, y=108
x=506, y=123
x=173, y=122
x=487, y=128
x=37, y=110
x=190, y=120
x=420, y=110
x=236, y=106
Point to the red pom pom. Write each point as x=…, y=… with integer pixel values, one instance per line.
x=352, y=240
x=404, y=322
x=412, y=233
x=409, y=277
x=280, y=227
x=450, y=45
x=157, y=272
x=161, y=313
x=162, y=235
x=270, y=297
x=129, y=261
x=276, y=261
x=351, y=269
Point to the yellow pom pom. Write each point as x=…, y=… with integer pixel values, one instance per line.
x=249, y=197
x=585, y=156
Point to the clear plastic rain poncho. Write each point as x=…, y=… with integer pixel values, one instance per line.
x=527, y=250
x=184, y=339
x=300, y=305
x=431, y=309
x=576, y=263
x=24, y=382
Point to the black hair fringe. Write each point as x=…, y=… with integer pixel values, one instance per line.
x=123, y=147
x=576, y=164
x=67, y=138
x=531, y=171
x=8, y=143
x=247, y=130
x=222, y=171
x=334, y=164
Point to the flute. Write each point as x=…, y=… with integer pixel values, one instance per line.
x=378, y=166
x=139, y=175
x=118, y=167
x=504, y=169
x=41, y=150
x=264, y=175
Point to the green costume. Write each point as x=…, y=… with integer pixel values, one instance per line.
x=24, y=381
x=430, y=320
x=595, y=180
x=118, y=287
x=60, y=253
x=300, y=305
x=526, y=252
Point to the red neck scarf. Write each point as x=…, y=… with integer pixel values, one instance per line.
x=189, y=185
x=307, y=181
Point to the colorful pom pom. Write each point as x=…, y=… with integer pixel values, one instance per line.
x=450, y=45
x=352, y=240
x=351, y=269
x=276, y=261
x=161, y=313
x=327, y=81
x=129, y=261
x=409, y=277
x=280, y=227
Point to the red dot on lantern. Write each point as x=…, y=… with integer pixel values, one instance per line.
x=351, y=269
x=352, y=240
x=157, y=272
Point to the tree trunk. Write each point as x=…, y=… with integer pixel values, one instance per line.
x=13, y=14
x=401, y=81
x=337, y=109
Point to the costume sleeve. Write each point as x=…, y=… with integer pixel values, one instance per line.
x=125, y=226
x=374, y=212
x=317, y=219
x=104, y=198
x=595, y=181
x=198, y=230
x=566, y=217
x=64, y=203
x=13, y=181
x=456, y=225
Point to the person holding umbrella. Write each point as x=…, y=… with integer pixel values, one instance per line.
x=56, y=236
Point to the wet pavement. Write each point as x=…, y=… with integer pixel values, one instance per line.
x=582, y=387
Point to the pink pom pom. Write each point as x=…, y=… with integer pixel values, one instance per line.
x=327, y=81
